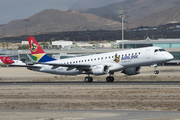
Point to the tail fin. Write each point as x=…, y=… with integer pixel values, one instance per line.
x=37, y=52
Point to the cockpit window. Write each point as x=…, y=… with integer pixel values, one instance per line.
x=162, y=50
x=155, y=50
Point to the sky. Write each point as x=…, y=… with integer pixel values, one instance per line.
x=22, y=9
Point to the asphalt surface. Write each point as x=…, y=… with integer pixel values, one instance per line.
x=121, y=114
x=95, y=83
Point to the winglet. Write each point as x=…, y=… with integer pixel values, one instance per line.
x=37, y=52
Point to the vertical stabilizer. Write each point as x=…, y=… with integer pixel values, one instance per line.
x=37, y=52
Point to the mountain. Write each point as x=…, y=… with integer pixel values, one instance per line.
x=53, y=20
x=85, y=4
x=170, y=15
x=2, y=24
x=133, y=9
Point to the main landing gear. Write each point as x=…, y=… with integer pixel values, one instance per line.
x=110, y=78
x=156, y=71
x=88, y=79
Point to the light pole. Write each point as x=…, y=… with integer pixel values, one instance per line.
x=89, y=38
x=100, y=39
x=121, y=14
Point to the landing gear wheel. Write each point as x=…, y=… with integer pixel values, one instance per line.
x=88, y=79
x=110, y=79
x=156, y=72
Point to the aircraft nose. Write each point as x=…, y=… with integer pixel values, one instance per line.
x=11, y=61
x=169, y=57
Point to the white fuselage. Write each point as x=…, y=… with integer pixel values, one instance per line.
x=127, y=59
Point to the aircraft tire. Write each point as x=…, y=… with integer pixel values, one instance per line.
x=156, y=72
x=110, y=79
x=88, y=79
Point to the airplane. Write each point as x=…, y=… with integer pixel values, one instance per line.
x=127, y=61
x=5, y=60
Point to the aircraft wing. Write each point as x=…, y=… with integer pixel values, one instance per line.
x=79, y=66
x=28, y=66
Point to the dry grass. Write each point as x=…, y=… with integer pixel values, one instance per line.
x=165, y=98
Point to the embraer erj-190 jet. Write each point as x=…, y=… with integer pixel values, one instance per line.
x=127, y=61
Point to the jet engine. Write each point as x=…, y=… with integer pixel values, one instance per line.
x=100, y=69
x=132, y=71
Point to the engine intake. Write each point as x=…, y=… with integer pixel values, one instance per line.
x=132, y=71
x=100, y=69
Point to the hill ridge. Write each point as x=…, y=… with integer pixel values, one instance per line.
x=53, y=20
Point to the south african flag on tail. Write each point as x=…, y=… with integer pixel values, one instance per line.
x=37, y=52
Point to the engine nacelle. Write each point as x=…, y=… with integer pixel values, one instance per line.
x=132, y=71
x=100, y=69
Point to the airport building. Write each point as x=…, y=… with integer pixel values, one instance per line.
x=163, y=43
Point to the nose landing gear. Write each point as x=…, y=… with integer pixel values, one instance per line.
x=156, y=71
